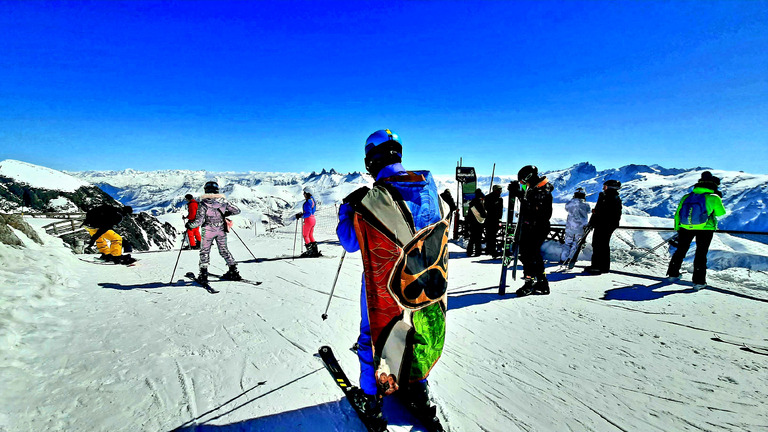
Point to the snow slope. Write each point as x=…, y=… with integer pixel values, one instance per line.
x=40, y=177
x=107, y=348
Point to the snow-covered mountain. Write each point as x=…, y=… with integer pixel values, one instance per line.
x=263, y=197
x=37, y=189
x=647, y=190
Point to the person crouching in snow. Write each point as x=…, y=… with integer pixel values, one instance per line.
x=308, y=229
x=212, y=217
x=578, y=210
x=99, y=222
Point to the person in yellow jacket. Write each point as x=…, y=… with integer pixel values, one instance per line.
x=99, y=222
x=696, y=218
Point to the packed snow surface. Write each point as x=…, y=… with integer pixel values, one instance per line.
x=111, y=348
x=40, y=177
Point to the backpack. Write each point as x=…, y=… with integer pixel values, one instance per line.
x=693, y=211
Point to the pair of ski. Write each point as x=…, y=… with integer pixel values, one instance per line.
x=102, y=262
x=571, y=261
x=210, y=289
x=334, y=368
x=511, y=242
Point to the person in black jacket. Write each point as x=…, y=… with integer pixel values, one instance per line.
x=475, y=219
x=535, y=211
x=99, y=222
x=494, y=207
x=604, y=221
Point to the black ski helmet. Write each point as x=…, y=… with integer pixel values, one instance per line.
x=188, y=197
x=580, y=193
x=211, y=187
x=528, y=174
x=382, y=148
x=612, y=184
x=707, y=177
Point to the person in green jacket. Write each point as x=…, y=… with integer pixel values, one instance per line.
x=696, y=217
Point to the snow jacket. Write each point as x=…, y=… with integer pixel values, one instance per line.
x=192, y=210
x=212, y=211
x=423, y=203
x=714, y=208
x=536, y=204
x=494, y=207
x=607, y=212
x=578, y=212
x=309, y=207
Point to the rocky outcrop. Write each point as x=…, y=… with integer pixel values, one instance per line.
x=7, y=235
x=142, y=230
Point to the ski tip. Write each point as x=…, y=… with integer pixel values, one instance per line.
x=324, y=349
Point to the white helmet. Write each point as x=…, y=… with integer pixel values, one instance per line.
x=307, y=190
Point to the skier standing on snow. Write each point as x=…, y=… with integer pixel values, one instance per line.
x=308, y=228
x=696, y=218
x=535, y=211
x=578, y=212
x=604, y=221
x=494, y=207
x=99, y=222
x=212, y=217
x=475, y=219
x=193, y=234
x=402, y=331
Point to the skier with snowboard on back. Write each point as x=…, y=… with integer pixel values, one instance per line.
x=402, y=225
x=212, y=217
x=99, y=222
x=308, y=228
x=535, y=211
x=696, y=218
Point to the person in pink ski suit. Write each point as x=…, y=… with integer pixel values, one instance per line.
x=212, y=218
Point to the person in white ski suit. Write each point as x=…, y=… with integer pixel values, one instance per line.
x=578, y=211
x=211, y=216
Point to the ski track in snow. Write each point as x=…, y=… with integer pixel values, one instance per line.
x=93, y=350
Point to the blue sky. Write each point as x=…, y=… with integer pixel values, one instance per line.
x=298, y=86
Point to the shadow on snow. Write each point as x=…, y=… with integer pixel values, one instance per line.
x=337, y=415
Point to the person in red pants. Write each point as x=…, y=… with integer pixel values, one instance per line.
x=194, y=233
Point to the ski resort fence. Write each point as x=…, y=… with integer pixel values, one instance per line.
x=326, y=219
x=729, y=248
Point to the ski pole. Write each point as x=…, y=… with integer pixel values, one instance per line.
x=184, y=236
x=296, y=231
x=333, y=288
x=241, y=241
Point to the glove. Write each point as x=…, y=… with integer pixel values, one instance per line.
x=227, y=213
x=187, y=225
x=184, y=218
x=299, y=215
x=448, y=198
